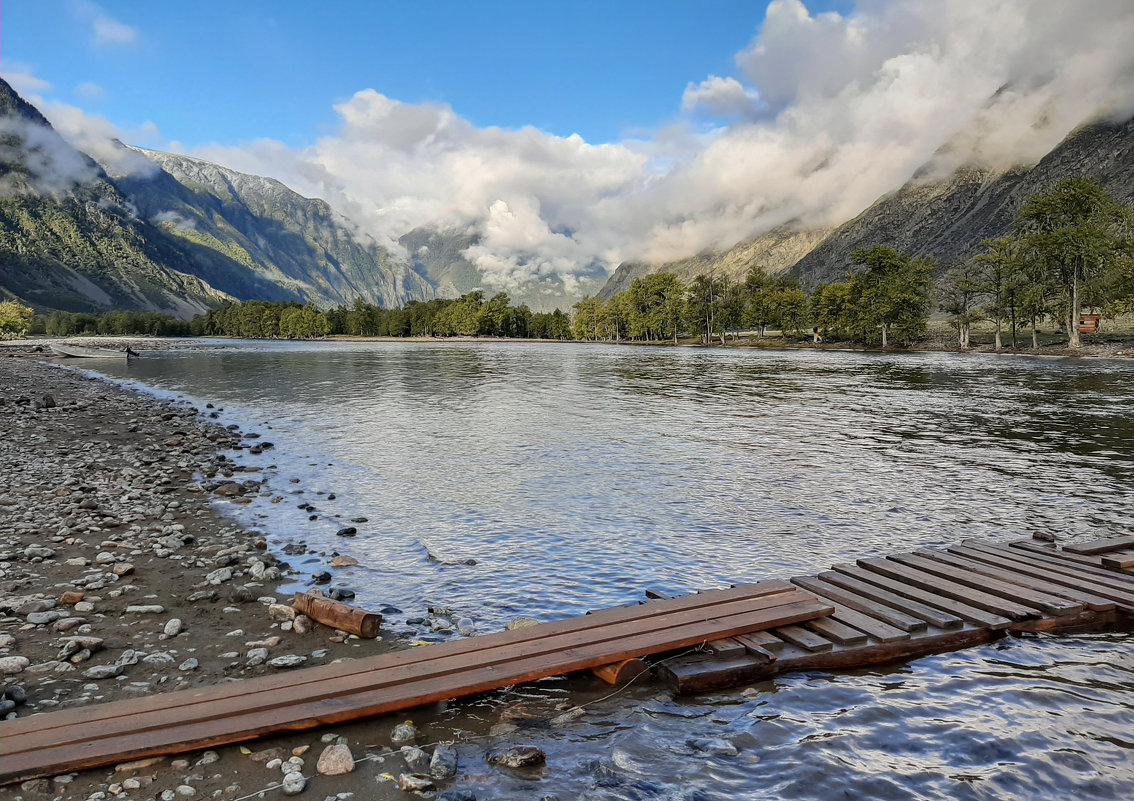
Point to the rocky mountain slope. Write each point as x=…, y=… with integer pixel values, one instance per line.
x=288, y=247
x=69, y=238
x=775, y=251
x=947, y=219
x=170, y=233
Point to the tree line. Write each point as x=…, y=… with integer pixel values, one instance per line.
x=1071, y=247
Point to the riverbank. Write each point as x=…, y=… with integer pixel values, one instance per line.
x=118, y=576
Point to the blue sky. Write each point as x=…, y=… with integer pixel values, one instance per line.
x=238, y=70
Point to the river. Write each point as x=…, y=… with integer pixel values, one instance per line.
x=500, y=479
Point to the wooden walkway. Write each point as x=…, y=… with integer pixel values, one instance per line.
x=876, y=610
x=927, y=602
x=84, y=737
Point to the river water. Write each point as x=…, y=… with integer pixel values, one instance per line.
x=506, y=479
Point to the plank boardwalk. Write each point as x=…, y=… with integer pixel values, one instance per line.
x=926, y=602
x=58, y=742
x=877, y=610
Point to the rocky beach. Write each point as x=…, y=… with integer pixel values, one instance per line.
x=120, y=578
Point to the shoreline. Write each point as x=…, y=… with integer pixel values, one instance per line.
x=119, y=577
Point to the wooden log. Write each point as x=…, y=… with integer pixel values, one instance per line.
x=622, y=672
x=1102, y=545
x=338, y=615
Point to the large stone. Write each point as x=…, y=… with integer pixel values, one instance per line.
x=173, y=627
x=11, y=665
x=287, y=661
x=521, y=623
x=416, y=759
x=518, y=756
x=414, y=782
x=335, y=760
x=102, y=671
x=294, y=783
x=281, y=612
x=443, y=765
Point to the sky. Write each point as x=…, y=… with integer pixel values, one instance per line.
x=571, y=137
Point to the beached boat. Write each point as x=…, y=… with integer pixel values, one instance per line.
x=78, y=351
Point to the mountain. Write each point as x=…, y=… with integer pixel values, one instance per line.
x=947, y=219
x=942, y=217
x=160, y=232
x=69, y=238
x=439, y=257
x=286, y=246
x=775, y=251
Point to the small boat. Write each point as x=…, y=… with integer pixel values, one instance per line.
x=78, y=351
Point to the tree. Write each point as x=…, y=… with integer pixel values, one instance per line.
x=1083, y=235
x=1002, y=280
x=15, y=320
x=892, y=295
x=958, y=296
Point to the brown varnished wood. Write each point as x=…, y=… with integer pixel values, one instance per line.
x=802, y=638
x=887, y=614
x=836, y=632
x=1101, y=545
x=1048, y=604
x=972, y=614
x=949, y=589
x=929, y=614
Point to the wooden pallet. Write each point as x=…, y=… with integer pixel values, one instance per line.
x=58, y=742
x=926, y=602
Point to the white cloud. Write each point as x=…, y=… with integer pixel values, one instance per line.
x=90, y=91
x=827, y=113
x=23, y=81
x=723, y=97
x=105, y=30
x=101, y=139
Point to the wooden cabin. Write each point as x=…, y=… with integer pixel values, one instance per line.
x=1089, y=323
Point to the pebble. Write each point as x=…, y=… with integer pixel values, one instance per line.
x=521, y=623
x=404, y=733
x=416, y=759
x=302, y=624
x=335, y=761
x=189, y=664
x=102, y=672
x=281, y=612
x=143, y=609
x=173, y=627
x=287, y=661
x=415, y=783
x=294, y=783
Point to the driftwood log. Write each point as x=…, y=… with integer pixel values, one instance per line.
x=621, y=672
x=338, y=615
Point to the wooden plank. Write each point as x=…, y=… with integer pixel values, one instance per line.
x=726, y=646
x=1006, y=573
x=1118, y=560
x=1046, y=573
x=801, y=637
x=972, y=614
x=836, y=632
x=883, y=632
x=1101, y=545
x=1057, y=573
x=892, y=617
x=756, y=649
x=949, y=589
x=1049, y=604
x=764, y=639
x=777, y=591
x=1058, y=561
x=935, y=617
x=1065, y=556
x=193, y=734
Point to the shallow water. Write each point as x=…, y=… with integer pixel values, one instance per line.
x=575, y=476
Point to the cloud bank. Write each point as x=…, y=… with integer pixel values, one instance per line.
x=824, y=114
